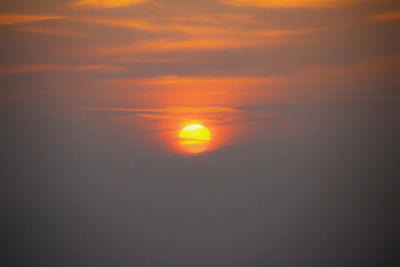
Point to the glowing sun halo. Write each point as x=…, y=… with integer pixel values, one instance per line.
x=194, y=138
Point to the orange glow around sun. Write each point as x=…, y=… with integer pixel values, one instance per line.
x=194, y=138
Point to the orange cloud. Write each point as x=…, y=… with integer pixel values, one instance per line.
x=148, y=60
x=197, y=26
x=15, y=69
x=170, y=25
x=171, y=117
x=201, y=83
x=388, y=16
x=106, y=3
x=214, y=114
x=218, y=19
x=175, y=110
x=7, y=19
x=199, y=33
x=197, y=91
x=303, y=85
x=287, y=3
x=197, y=43
x=225, y=31
x=140, y=24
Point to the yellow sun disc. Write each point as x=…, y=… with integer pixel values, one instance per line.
x=194, y=138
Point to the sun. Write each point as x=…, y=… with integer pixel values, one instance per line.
x=194, y=138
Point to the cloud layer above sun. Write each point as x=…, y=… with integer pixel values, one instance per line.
x=220, y=60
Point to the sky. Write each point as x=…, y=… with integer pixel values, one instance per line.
x=300, y=98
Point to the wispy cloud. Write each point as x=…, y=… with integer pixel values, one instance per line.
x=8, y=19
x=199, y=91
x=214, y=114
x=287, y=3
x=217, y=115
x=388, y=16
x=148, y=60
x=173, y=110
x=201, y=83
x=58, y=32
x=365, y=99
x=198, y=26
x=16, y=69
x=106, y=3
x=200, y=33
x=200, y=43
x=222, y=24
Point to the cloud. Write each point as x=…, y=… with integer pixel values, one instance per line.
x=309, y=83
x=200, y=83
x=8, y=19
x=287, y=3
x=140, y=24
x=218, y=19
x=199, y=26
x=28, y=68
x=172, y=117
x=216, y=115
x=148, y=60
x=59, y=32
x=174, y=110
x=388, y=16
x=365, y=99
x=200, y=33
x=206, y=24
x=106, y=3
x=197, y=91
x=200, y=43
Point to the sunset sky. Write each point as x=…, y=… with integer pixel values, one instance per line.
x=301, y=99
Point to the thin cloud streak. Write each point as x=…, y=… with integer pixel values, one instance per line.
x=211, y=85
x=9, y=19
x=178, y=110
x=106, y=3
x=172, y=117
x=202, y=33
x=388, y=16
x=58, y=32
x=365, y=99
x=198, y=26
x=195, y=44
x=214, y=115
x=289, y=3
x=17, y=69
x=193, y=34
x=148, y=60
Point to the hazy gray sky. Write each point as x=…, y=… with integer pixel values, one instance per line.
x=301, y=99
